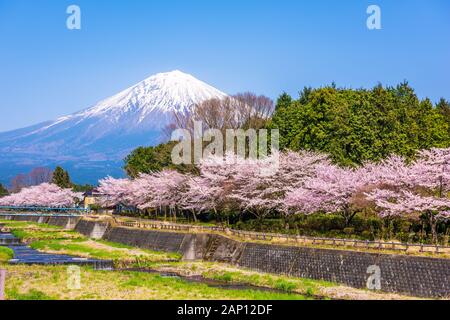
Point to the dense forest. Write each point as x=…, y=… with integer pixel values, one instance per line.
x=354, y=126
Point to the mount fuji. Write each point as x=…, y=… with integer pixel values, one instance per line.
x=92, y=143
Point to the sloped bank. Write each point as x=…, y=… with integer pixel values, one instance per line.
x=411, y=275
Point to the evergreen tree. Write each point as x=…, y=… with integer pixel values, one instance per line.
x=355, y=126
x=154, y=159
x=3, y=191
x=305, y=94
x=284, y=101
x=82, y=188
x=443, y=106
x=61, y=178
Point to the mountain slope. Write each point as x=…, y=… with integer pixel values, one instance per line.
x=109, y=130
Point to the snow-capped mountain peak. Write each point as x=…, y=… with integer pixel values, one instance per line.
x=149, y=104
x=164, y=92
x=114, y=126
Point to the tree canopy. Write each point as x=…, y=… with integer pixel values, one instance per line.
x=153, y=159
x=355, y=126
x=61, y=178
x=3, y=191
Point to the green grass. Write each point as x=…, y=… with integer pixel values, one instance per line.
x=26, y=224
x=6, y=254
x=50, y=282
x=29, y=231
x=28, y=235
x=108, y=251
x=115, y=245
x=55, y=239
x=179, y=286
x=287, y=284
x=33, y=294
x=226, y=277
x=44, y=283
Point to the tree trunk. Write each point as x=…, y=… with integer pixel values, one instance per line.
x=433, y=226
x=348, y=217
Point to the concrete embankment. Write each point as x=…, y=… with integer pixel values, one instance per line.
x=411, y=275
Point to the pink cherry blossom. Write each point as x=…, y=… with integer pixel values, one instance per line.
x=329, y=190
x=44, y=195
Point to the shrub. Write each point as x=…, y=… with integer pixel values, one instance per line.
x=285, y=285
x=349, y=231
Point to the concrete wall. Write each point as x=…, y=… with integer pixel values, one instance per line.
x=68, y=223
x=153, y=240
x=417, y=276
x=92, y=229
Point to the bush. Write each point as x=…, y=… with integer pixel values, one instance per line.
x=225, y=277
x=367, y=235
x=349, y=231
x=285, y=285
x=317, y=225
x=6, y=254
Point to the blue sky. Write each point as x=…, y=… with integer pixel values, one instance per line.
x=265, y=46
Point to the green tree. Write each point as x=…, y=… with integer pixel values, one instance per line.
x=443, y=106
x=305, y=94
x=153, y=159
x=61, y=178
x=354, y=126
x=82, y=188
x=283, y=101
x=3, y=191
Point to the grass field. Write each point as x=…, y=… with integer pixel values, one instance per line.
x=38, y=283
x=50, y=282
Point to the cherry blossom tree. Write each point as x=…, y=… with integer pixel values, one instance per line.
x=392, y=171
x=330, y=190
x=263, y=184
x=420, y=187
x=432, y=171
x=159, y=191
x=392, y=203
x=212, y=190
x=44, y=195
x=294, y=182
x=114, y=191
x=163, y=190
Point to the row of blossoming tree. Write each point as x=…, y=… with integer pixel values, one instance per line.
x=287, y=184
x=44, y=195
x=295, y=183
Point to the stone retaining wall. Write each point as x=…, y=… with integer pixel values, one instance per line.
x=92, y=229
x=416, y=276
x=68, y=223
x=147, y=239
